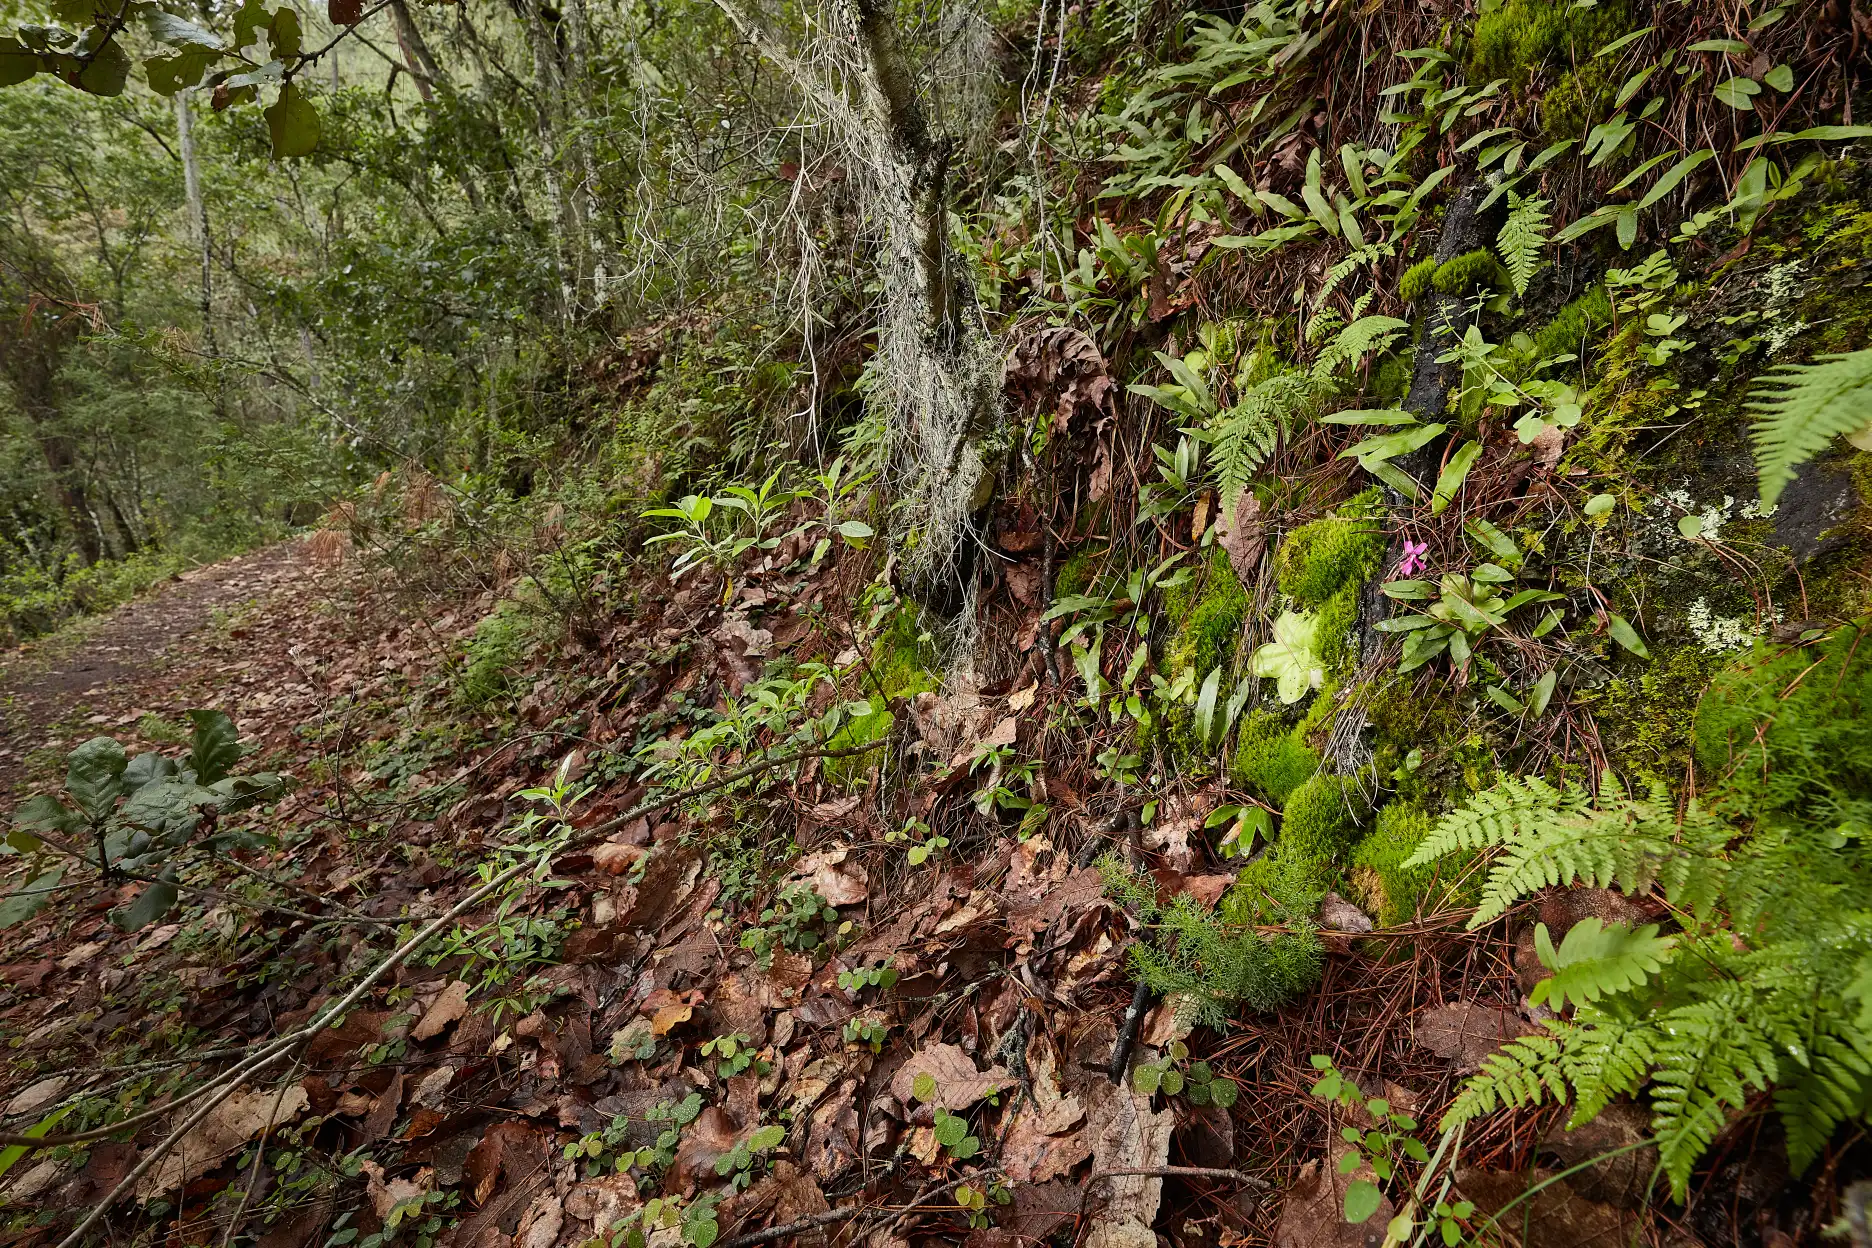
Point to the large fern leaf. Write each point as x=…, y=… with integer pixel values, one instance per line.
x=1607, y=1057
x=1597, y=959
x=1802, y=408
x=1521, y=240
x=1831, y=1088
x=1710, y=1059
x=1498, y=814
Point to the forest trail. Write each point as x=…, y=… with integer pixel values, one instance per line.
x=99, y=672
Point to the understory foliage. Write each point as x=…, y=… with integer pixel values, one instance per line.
x=1767, y=980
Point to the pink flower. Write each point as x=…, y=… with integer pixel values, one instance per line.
x=1413, y=560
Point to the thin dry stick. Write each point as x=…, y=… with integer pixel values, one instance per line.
x=217, y=1090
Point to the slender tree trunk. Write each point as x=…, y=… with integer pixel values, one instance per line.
x=423, y=67
x=198, y=225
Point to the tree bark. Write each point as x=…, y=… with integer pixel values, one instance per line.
x=941, y=374
x=198, y=225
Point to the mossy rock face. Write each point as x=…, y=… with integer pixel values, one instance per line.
x=1078, y=574
x=1277, y=888
x=1208, y=613
x=1317, y=560
x=1321, y=818
x=1271, y=759
x=1468, y=272
x=1386, y=889
x=902, y=664
x=1644, y=717
x=1574, y=327
x=1519, y=37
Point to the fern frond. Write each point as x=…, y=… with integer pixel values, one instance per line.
x=1710, y=1058
x=1832, y=1088
x=1597, y=959
x=1607, y=1057
x=1549, y=836
x=1524, y=1071
x=1366, y=334
x=1247, y=434
x=1521, y=240
x=1802, y=408
x=1497, y=815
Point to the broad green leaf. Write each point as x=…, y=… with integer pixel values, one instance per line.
x=1453, y=475
x=1728, y=47
x=1386, y=446
x=178, y=32
x=1290, y=659
x=1627, y=636
x=1781, y=78
x=1370, y=416
x=1361, y=1200
x=1499, y=543
x=1209, y=726
x=293, y=124
x=30, y=898
x=214, y=746
x=1600, y=504
x=923, y=1087
x=150, y=905
x=1738, y=93
x=249, y=20
x=94, y=775
x=17, y=62
x=46, y=813
x=11, y=1155
x=1672, y=176
x=855, y=530
x=108, y=71
x=1146, y=1078
x=1542, y=693
x=283, y=33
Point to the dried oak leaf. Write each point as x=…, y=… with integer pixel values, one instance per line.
x=1128, y=1135
x=958, y=1084
x=233, y=1122
x=1466, y=1032
x=839, y=882
x=450, y=1004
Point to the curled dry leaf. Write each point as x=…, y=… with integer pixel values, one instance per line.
x=839, y=882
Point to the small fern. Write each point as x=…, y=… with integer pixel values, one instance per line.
x=1247, y=434
x=1768, y=985
x=1354, y=342
x=1209, y=967
x=1522, y=239
x=1595, y=960
x=1803, y=407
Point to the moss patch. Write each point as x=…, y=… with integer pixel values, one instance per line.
x=1320, y=818
x=1271, y=759
x=1520, y=36
x=1644, y=719
x=1317, y=560
x=1469, y=271
x=1389, y=891
x=901, y=665
x=1212, y=608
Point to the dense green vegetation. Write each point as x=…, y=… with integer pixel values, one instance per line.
x=1360, y=476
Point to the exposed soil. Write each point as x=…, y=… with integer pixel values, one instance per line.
x=98, y=672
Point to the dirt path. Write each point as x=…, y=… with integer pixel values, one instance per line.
x=93, y=672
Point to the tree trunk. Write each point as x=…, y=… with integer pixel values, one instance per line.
x=941, y=380
x=198, y=225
